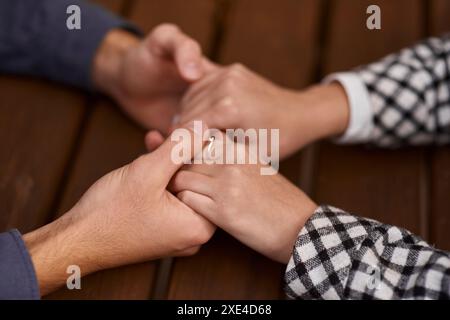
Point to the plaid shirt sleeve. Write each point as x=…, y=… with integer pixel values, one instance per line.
x=341, y=256
x=403, y=99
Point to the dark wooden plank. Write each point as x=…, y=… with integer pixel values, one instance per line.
x=38, y=126
x=194, y=17
x=385, y=185
x=438, y=18
x=440, y=199
x=224, y=269
x=278, y=40
x=380, y=184
x=350, y=43
x=440, y=158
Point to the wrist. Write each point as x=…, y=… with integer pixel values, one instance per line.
x=53, y=248
x=109, y=58
x=321, y=111
x=303, y=212
x=329, y=108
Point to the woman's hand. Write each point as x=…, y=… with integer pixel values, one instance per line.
x=235, y=97
x=265, y=212
x=127, y=216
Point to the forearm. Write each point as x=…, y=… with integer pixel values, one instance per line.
x=108, y=60
x=318, y=112
x=53, y=248
x=340, y=256
x=402, y=99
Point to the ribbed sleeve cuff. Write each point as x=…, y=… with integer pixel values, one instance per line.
x=361, y=118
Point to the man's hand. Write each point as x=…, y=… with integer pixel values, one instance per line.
x=265, y=212
x=235, y=97
x=148, y=77
x=127, y=216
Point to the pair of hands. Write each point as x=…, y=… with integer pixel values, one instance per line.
x=129, y=215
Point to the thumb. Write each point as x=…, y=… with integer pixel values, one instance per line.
x=180, y=148
x=153, y=139
x=170, y=41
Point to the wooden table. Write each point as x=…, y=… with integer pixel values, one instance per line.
x=56, y=141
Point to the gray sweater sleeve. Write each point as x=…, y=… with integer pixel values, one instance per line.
x=34, y=39
x=17, y=276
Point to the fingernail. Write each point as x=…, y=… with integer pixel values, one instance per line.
x=192, y=70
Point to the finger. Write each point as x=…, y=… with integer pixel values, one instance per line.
x=179, y=148
x=194, y=110
x=223, y=114
x=191, y=181
x=201, y=204
x=153, y=139
x=167, y=39
x=187, y=252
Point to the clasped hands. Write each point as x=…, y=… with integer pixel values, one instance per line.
x=154, y=208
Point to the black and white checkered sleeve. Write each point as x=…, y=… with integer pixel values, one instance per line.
x=409, y=94
x=341, y=256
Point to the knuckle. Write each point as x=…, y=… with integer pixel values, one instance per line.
x=227, y=108
x=239, y=67
x=225, y=103
x=229, y=83
x=236, y=70
x=200, y=235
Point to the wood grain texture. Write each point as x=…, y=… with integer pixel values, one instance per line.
x=225, y=269
x=194, y=17
x=38, y=126
x=278, y=40
x=349, y=43
x=440, y=158
x=439, y=23
x=381, y=184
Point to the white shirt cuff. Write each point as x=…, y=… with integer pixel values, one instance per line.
x=361, y=118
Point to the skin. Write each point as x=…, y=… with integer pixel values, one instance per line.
x=235, y=97
x=148, y=77
x=265, y=213
x=128, y=216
